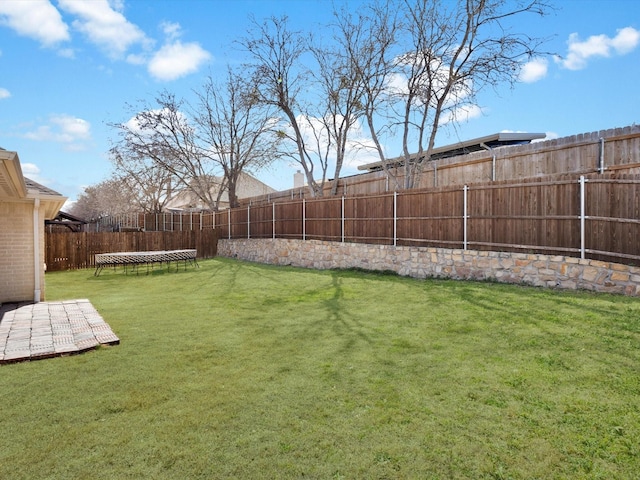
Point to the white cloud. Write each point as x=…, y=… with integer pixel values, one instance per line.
x=534, y=70
x=72, y=128
x=4, y=93
x=66, y=129
x=172, y=31
x=105, y=26
x=36, y=19
x=138, y=124
x=626, y=40
x=136, y=59
x=579, y=52
x=360, y=149
x=67, y=52
x=460, y=114
x=549, y=136
x=176, y=60
x=30, y=169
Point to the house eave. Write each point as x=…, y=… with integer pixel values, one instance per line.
x=12, y=184
x=52, y=204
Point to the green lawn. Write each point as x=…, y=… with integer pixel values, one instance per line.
x=238, y=370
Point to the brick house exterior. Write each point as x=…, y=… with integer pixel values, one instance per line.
x=24, y=206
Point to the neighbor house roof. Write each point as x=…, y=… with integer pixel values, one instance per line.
x=14, y=186
x=488, y=142
x=248, y=186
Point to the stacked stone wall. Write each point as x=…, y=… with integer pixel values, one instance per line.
x=552, y=271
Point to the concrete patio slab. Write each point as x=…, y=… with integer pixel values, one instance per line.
x=33, y=331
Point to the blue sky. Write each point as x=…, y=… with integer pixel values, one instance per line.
x=70, y=67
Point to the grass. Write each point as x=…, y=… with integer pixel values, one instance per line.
x=239, y=370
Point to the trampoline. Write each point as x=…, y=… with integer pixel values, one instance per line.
x=135, y=259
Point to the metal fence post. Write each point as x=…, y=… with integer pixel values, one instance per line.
x=582, y=216
x=342, y=219
x=304, y=219
x=464, y=216
x=395, y=217
x=273, y=220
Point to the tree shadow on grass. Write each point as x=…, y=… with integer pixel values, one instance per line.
x=338, y=319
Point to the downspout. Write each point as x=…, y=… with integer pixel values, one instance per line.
x=36, y=250
x=493, y=160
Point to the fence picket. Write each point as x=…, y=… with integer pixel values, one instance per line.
x=73, y=250
x=536, y=215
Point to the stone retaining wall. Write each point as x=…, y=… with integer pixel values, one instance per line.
x=553, y=271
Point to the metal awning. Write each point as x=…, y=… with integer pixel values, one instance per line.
x=489, y=142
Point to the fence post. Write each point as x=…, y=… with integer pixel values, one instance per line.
x=395, y=217
x=273, y=220
x=601, y=157
x=304, y=219
x=464, y=217
x=248, y=221
x=582, y=216
x=229, y=222
x=342, y=219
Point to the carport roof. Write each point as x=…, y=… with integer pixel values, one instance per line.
x=503, y=139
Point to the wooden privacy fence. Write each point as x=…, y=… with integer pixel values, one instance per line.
x=595, y=217
x=71, y=250
x=154, y=222
x=612, y=151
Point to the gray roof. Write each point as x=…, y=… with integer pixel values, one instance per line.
x=488, y=142
x=35, y=187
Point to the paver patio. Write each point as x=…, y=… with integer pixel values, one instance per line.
x=32, y=331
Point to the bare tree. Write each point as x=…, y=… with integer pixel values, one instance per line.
x=279, y=79
x=107, y=198
x=163, y=134
x=206, y=146
x=454, y=50
x=236, y=127
x=421, y=61
x=153, y=184
x=367, y=40
x=340, y=91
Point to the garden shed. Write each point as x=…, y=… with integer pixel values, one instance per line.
x=24, y=207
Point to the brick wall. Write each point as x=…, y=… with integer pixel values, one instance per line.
x=16, y=252
x=422, y=262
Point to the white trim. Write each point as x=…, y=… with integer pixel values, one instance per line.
x=36, y=250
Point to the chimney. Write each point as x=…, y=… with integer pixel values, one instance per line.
x=298, y=179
